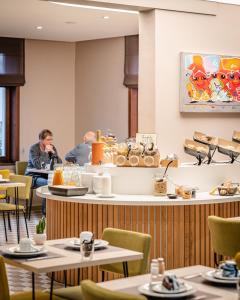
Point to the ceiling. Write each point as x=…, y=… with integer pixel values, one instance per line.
x=19, y=18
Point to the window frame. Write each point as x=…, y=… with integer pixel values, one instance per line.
x=12, y=126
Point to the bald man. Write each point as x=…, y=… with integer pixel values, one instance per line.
x=80, y=154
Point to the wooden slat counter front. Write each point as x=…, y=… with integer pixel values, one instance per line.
x=178, y=227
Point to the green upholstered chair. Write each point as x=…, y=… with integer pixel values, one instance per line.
x=129, y=240
x=225, y=236
x=4, y=288
x=21, y=167
x=91, y=291
x=24, y=192
x=5, y=175
x=69, y=293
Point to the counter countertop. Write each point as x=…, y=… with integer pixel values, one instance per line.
x=136, y=200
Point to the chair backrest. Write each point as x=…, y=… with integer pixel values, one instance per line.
x=225, y=235
x=5, y=173
x=128, y=240
x=21, y=167
x=24, y=192
x=90, y=291
x=4, y=289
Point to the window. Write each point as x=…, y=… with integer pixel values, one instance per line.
x=2, y=122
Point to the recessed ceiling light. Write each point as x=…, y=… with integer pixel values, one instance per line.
x=39, y=27
x=106, y=17
x=70, y=22
x=95, y=7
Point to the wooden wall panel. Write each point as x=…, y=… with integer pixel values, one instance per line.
x=179, y=234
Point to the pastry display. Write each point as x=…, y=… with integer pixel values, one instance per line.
x=171, y=160
x=171, y=283
x=231, y=149
x=228, y=189
x=200, y=137
x=236, y=136
x=196, y=149
x=132, y=154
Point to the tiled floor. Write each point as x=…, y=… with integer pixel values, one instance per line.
x=20, y=280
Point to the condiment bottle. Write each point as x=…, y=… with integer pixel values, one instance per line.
x=154, y=270
x=161, y=264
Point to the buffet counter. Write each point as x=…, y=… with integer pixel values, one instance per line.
x=178, y=227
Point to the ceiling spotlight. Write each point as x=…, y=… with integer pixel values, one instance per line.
x=106, y=17
x=39, y=27
x=70, y=22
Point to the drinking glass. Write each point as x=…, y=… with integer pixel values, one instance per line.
x=87, y=249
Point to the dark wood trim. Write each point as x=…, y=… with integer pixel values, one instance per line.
x=132, y=112
x=12, y=125
x=15, y=123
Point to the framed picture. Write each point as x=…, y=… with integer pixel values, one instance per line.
x=209, y=83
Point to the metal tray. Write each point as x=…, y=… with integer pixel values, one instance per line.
x=67, y=191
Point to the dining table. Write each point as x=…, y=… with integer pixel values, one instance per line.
x=59, y=257
x=191, y=275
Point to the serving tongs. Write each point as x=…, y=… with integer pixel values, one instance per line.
x=236, y=137
x=231, y=149
x=198, y=150
x=210, y=141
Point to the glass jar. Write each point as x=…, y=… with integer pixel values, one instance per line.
x=160, y=186
x=161, y=264
x=58, y=176
x=154, y=271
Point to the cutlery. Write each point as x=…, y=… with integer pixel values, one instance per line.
x=41, y=258
x=193, y=276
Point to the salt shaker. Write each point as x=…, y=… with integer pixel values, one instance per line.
x=154, y=270
x=161, y=264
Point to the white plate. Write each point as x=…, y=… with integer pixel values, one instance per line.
x=145, y=290
x=34, y=250
x=12, y=252
x=210, y=276
x=105, y=196
x=219, y=275
x=98, y=244
x=159, y=288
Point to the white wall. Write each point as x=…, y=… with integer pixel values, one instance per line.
x=101, y=97
x=177, y=32
x=48, y=97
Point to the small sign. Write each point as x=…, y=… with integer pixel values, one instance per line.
x=146, y=138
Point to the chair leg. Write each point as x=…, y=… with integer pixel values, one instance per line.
x=103, y=276
x=26, y=207
x=78, y=276
x=5, y=228
x=65, y=278
x=30, y=205
x=25, y=219
x=9, y=222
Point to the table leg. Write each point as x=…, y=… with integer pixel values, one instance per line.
x=51, y=288
x=65, y=278
x=33, y=286
x=17, y=213
x=125, y=269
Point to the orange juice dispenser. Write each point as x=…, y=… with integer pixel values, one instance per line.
x=97, y=150
x=58, y=177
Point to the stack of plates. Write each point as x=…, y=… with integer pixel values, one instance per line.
x=16, y=252
x=98, y=244
x=217, y=277
x=159, y=291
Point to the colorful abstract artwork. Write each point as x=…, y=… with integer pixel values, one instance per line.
x=209, y=83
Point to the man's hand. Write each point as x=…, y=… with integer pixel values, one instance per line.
x=49, y=148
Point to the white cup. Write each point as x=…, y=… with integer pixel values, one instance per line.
x=25, y=245
x=86, y=236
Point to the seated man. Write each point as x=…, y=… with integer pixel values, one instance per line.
x=40, y=155
x=80, y=154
